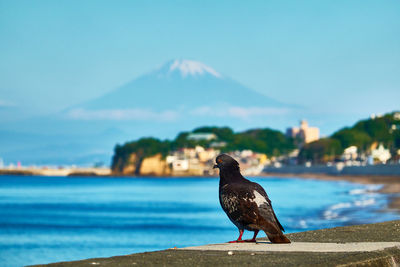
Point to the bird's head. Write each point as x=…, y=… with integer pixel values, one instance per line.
x=225, y=162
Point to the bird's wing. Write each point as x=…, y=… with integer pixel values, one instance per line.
x=237, y=204
x=265, y=206
x=229, y=198
x=244, y=205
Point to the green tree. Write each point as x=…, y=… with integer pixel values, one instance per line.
x=352, y=137
x=144, y=147
x=321, y=151
x=223, y=133
x=268, y=141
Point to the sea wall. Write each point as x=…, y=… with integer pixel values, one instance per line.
x=358, y=239
x=372, y=170
x=382, y=169
x=57, y=172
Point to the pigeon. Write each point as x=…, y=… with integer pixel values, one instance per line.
x=246, y=203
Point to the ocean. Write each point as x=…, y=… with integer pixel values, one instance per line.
x=50, y=219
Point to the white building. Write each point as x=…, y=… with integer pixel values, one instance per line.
x=304, y=132
x=381, y=154
x=170, y=159
x=202, y=136
x=180, y=165
x=350, y=153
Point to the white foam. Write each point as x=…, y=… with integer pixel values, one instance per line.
x=303, y=224
x=341, y=206
x=357, y=191
x=328, y=215
x=365, y=202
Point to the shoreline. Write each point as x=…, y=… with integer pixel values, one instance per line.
x=391, y=184
x=61, y=172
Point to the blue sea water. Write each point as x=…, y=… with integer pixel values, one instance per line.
x=49, y=219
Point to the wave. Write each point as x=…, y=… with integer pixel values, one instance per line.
x=367, y=190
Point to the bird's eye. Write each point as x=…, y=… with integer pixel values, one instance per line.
x=219, y=160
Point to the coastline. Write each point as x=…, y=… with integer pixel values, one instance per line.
x=391, y=184
x=56, y=171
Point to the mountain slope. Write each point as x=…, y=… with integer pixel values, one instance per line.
x=181, y=94
x=179, y=85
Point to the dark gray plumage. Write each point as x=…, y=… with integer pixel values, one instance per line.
x=246, y=203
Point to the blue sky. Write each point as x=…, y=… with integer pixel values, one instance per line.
x=334, y=57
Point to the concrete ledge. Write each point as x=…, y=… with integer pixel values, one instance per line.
x=360, y=245
x=299, y=247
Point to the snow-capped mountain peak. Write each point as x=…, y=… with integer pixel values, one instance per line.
x=188, y=68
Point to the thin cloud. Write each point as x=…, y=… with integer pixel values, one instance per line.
x=122, y=114
x=6, y=104
x=244, y=113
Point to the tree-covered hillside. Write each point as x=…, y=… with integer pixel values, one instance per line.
x=384, y=129
x=267, y=141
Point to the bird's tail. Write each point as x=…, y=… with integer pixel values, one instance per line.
x=278, y=238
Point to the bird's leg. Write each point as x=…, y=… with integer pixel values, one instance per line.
x=239, y=240
x=254, y=237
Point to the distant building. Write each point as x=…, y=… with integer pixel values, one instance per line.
x=218, y=144
x=375, y=116
x=171, y=158
x=350, y=153
x=180, y=165
x=381, y=154
x=202, y=136
x=208, y=154
x=246, y=153
x=192, y=161
x=305, y=133
x=188, y=152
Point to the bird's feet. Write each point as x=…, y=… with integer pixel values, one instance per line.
x=237, y=241
x=244, y=241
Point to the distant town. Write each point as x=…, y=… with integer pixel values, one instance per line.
x=370, y=143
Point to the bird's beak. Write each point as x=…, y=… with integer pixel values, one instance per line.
x=215, y=166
